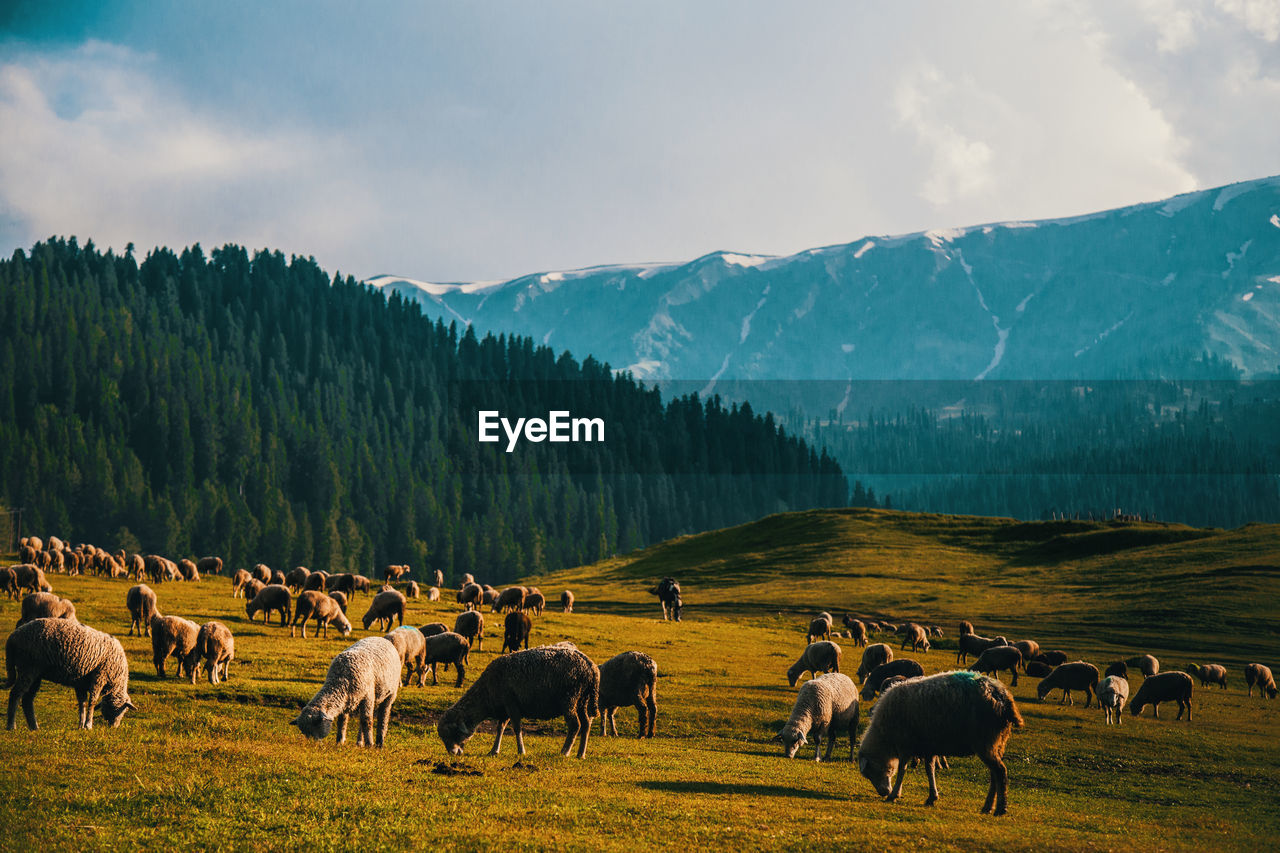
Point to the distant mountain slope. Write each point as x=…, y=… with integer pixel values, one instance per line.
x=1137, y=291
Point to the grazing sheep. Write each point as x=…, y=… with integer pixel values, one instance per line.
x=874, y=682
x=888, y=627
x=1209, y=674
x=411, y=646
x=511, y=598
x=204, y=565
x=324, y=609
x=1029, y=649
x=535, y=684
x=566, y=601
x=892, y=680
x=411, y=590
x=338, y=597
x=252, y=588
x=471, y=595
x=1076, y=675
x=535, y=601
x=997, y=658
x=344, y=583
x=364, y=679
x=447, y=648
x=873, y=656
x=826, y=705
x=1256, y=673
x=488, y=594
x=1163, y=687
x=71, y=654
x=239, y=579
x=935, y=631
x=31, y=578
x=819, y=629
x=262, y=572
x=277, y=578
x=1037, y=669
x=394, y=572
x=433, y=594
x=467, y=578
x=173, y=636
x=668, y=592
x=363, y=584
x=856, y=630
x=46, y=605
x=949, y=714
x=516, y=631
x=1054, y=657
x=1146, y=664
x=822, y=656
x=966, y=627
x=384, y=607
x=430, y=630
x=629, y=678
x=275, y=598
x=136, y=567
x=1119, y=668
x=470, y=624
x=9, y=582
x=973, y=644
x=1113, y=692
x=141, y=601
x=317, y=580
x=296, y=580
x=217, y=648
x=916, y=635
x=187, y=568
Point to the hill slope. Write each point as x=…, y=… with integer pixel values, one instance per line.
x=1140, y=291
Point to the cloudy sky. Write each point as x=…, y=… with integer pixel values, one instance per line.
x=472, y=141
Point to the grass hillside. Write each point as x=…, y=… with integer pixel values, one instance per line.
x=220, y=767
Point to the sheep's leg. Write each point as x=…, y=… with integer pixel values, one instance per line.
x=897, y=782
x=1014, y=670
x=831, y=744
x=1088, y=696
x=384, y=719
x=497, y=741
x=24, y=691
x=366, y=723
x=434, y=680
x=652, y=703
x=340, y=722
x=999, y=785
x=643, y=710
x=584, y=727
x=1155, y=709
x=572, y=725
x=461, y=669
x=931, y=772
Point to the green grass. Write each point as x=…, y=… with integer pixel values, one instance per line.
x=221, y=768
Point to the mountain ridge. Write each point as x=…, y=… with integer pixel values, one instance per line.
x=1140, y=291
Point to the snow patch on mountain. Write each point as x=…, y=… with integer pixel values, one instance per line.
x=871, y=244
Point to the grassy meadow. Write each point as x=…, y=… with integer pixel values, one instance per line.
x=221, y=768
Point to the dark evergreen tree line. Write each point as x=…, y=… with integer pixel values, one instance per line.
x=252, y=407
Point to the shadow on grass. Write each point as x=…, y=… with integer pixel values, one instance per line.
x=735, y=788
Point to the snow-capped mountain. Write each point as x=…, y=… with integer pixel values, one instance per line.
x=1139, y=291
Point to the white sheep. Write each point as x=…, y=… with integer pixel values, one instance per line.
x=71, y=654
x=364, y=679
x=1113, y=692
x=1259, y=674
x=411, y=646
x=826, y=705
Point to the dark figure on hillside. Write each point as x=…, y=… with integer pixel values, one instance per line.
x=668, y=592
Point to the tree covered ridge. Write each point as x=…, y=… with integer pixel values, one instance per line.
x=254, y=408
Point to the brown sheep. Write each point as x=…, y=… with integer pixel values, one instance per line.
x=1256, y=673
x=141, y=601
x=46, y=605
x=516, y=631
x=1209, y=674
x=238, y=580
x=1076, y=675
x=324, y=609
x=630, y=678
x=857, y=630
x=274, y=598
x=996, y=658
x=916, y=635
x=470, y=624
x=384, y=607
x=1163, y=687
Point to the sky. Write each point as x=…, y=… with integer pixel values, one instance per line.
x=487, y=140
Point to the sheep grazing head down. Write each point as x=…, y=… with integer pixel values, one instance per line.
x=454, y=732
x=313, y=723
x=113, y=710
x=792, y=740
x=879, y=772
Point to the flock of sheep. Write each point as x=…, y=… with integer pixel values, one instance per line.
x=916, y=719
x=924, y=719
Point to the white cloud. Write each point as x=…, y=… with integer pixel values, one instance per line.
x=959, y=166
x=1260, y=17
x=95, y=147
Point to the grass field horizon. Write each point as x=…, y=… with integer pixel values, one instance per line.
x=221, y=768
